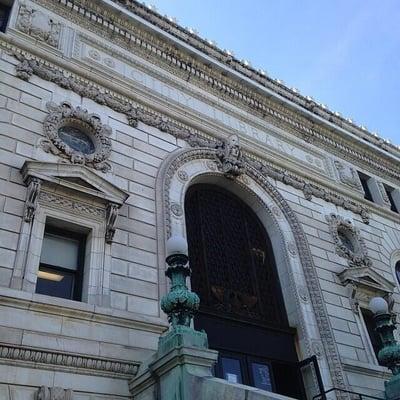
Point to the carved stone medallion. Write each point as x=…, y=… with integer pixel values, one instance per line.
x=176, y=209
x=348, y=241
x=76, y=135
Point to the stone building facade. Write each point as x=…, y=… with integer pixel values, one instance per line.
x=109, y=114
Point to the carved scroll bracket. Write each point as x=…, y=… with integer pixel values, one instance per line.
x=112, y=214
x=32, y=198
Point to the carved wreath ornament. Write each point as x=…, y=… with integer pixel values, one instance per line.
x=76, y=135
x=348, y=241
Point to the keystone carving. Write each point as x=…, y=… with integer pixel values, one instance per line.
x=89, y=127
x=31, y=201
x=230, y=156
x=54, y=393
x=38, y=25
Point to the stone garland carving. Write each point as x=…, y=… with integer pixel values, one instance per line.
x=32, y=197
x=314, y=289
x=38, y=25
x=358, y=254
x=348, y=175
x=64, y=115
x=130, y=36
x=54, y=393
x=28, y=67
x=97, y=366
x=73, y=205
x=112, y=214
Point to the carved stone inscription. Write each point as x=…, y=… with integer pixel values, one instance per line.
x=94, y=56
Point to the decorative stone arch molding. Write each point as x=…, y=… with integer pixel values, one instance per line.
x=303, y=300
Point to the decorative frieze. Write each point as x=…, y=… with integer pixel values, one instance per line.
x=38, y=25
x=134, y=113
x=93, y=365
x=76, y=135
x=74, y=205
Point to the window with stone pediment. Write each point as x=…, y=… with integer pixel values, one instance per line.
x=69, y=217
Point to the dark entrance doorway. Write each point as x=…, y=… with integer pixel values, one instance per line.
x=242, y=308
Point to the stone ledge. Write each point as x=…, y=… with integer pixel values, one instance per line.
x=75, y=309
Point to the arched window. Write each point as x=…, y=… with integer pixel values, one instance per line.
x=242, y=309
x=397, y=269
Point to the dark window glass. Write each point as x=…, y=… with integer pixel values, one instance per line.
x=61, y=262
x=398, y=271
x=364, y=182
x=76, y=139
x=55, y=282
x=4, y=15
x=393, y=206
x=346, y=241
x=231, y=370
x=231, y=255
x=373, y=335
x=262, y=376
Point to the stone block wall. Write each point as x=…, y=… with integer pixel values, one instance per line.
x=126, y=330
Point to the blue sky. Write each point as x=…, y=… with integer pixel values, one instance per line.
x=344, y=53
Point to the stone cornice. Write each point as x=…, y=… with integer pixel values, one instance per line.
x=65, y=361
x=300, y=116
x=134, y=114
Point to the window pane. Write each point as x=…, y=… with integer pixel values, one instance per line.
x=53, y=282
x=60, y=251
x=262, y=376
x=231, y=370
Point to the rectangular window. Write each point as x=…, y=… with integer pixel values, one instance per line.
x=389, y=192
x=61, y=264
x=364, y=182
x=5, y=9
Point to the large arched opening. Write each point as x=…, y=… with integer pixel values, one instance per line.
x=242, y=308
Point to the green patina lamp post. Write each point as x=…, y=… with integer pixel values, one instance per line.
x=180, y=303
x=389, y=355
